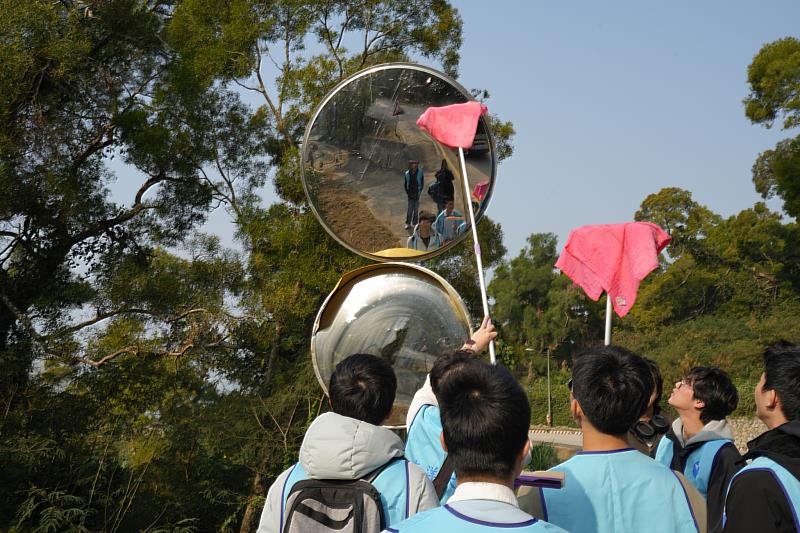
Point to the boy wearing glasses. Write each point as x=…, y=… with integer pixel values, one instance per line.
x=610, y=487
x=700, y=443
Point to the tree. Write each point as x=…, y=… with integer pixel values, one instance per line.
x=774, y=78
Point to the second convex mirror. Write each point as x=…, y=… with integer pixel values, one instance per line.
x=377, y=183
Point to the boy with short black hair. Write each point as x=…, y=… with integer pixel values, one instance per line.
x=348, y=444
x=610, y=487
x=765, y=495
x=700, y=443
x=423, y=419
x=485, y=417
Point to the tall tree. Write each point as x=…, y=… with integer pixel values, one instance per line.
x=774, y=78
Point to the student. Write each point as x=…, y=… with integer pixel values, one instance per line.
x=651, y=427
x=485, y=421
x=423, y=420
x=448, y=221
x=610, y=487
x=700, y=443
x=424, y=237
x=349, y=444
x=765, y=495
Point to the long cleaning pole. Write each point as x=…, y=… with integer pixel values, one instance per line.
x=467, y=194
x=609, y=311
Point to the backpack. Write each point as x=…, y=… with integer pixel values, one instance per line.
x=433, y=191
x=344, y=506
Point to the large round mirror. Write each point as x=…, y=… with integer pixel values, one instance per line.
x=401, y=312
x=378, y=184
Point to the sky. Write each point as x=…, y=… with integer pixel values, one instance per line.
x=612, y=101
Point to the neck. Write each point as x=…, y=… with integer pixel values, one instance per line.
x=594, y=441
x=692, y=425
x=777, y=419
x=485, y=478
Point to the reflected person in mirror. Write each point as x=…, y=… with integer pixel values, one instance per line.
x=413, y=181
x=444, y=190
x=450, y=222
x=425, y=238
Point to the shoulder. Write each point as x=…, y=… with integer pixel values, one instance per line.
x=418, y=522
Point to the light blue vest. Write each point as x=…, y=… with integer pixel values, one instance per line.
x=448, y=520
x=424, y=449
x=698, y=463
x=392, y=483
x=618, y=491
x=789, y=483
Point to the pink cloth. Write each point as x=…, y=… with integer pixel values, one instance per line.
x=614, y=258
x=453, y=125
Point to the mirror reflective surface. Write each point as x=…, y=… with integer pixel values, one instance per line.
x=401, y=312
x=378, y=183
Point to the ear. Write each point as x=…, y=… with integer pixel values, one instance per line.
x=772, y=400
x=441, y=439
x=699, y=405
x=575, y=410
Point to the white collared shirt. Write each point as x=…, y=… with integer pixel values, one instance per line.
x=480, y=490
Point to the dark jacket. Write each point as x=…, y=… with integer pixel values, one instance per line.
x=727, y=462
x=756, y=502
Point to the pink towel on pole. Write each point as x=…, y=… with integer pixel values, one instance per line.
x=614, y=258
x=453, y=125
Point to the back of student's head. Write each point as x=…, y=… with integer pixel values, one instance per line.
x=363, y=387
x=445, y=364
x=715, y=389
x=782, y=374
x=485, y=419
x=658, y=384
x=612, y=386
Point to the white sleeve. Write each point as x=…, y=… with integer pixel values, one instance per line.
x=424, y=396
x=271, y=515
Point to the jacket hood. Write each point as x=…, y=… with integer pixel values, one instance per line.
x=781, y=444
x=340, y=447
x=714, y=430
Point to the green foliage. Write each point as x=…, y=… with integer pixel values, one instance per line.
x=774, y=78
x=543, y=457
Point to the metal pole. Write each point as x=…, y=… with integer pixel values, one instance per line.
x=549, y=402
x=482, y=283
x=609, y=311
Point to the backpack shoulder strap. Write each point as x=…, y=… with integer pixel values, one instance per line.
x=443, y=477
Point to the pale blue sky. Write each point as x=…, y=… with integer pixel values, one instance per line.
x=614, y=100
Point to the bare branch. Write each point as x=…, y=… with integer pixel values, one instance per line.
x=96, y=364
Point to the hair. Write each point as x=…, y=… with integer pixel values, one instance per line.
x=782, y=374
x=485, y=419
x=363, y=387
x=445, y=364
x=613, y=386
x=713, y=387
x=658, y=384
x=426, y=215
x=444, y=164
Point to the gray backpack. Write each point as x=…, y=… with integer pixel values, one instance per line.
x=342, y=506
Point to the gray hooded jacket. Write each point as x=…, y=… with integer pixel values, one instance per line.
x=339, y=447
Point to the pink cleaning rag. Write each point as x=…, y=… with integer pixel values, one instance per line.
x=453, y=125
x=614, y=258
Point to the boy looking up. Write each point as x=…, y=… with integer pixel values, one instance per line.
x=700, y=443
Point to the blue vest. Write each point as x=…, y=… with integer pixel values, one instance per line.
x=787, y=482
x=698, y=463
x=392, y=483
x=618, y=491
x=424, y=449
x=448, y=520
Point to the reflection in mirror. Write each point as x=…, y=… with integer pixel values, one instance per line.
x=401, y=312
x=378, y=183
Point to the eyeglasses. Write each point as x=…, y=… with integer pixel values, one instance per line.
x=683, y=383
